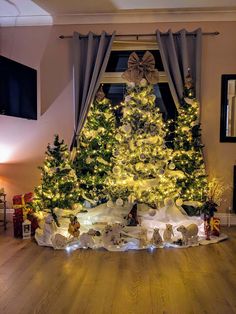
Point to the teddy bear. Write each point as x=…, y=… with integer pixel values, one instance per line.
x=156, y=237
x=74, y=226
x=143, y=240
x=168, y=233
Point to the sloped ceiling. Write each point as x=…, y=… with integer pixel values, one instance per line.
x=46, y=12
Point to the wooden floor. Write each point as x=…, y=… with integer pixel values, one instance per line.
x=197, y=280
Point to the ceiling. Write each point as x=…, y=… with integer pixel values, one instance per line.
x=46, y=12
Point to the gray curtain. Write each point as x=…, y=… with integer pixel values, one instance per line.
x=91, y=54
x=179, y=52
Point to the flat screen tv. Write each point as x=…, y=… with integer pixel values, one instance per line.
x=18, y=89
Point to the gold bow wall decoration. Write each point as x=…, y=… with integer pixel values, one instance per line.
x=141, y=68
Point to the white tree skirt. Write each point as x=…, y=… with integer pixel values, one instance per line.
x=97, y=218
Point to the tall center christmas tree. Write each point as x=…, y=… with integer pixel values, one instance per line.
x=141, y=158
x=93, y=158
x=188, y=155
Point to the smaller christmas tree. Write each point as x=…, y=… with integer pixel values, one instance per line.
x=188, y=155
x=93, y=158
x=59, y=187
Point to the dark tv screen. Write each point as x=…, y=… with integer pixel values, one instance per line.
x=18, y=89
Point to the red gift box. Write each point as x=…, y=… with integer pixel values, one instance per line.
x=22, y=199
x=18, y=218
x=34, y=221
x=17, y=225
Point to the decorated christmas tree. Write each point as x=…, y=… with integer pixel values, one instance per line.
x=59, y=187
x=93, y=158
x=141, y=159
x=188, y=155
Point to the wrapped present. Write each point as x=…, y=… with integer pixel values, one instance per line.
x=17, y=225
x=22, y=199
x=215, y=226
x=34, y=221
x=21, y=202
x=20, y=215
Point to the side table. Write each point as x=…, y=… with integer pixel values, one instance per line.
x=4, y=203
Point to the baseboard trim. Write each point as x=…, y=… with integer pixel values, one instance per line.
x=8, y=211
x=227, y=219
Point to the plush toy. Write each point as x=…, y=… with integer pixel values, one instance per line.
x=156, y=237
x=143, y=238
x=189, y=234
x=74, y=226
x=44, y=236
x=168, y=233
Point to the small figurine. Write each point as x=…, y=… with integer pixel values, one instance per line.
x=59, y=241
x=156, y=237
x=74, y=226
x=132, y=217
x=112, y=234
x=44, y=235
x=168, y=232
x=143, y=238
x=189, y=234
x=86, y=239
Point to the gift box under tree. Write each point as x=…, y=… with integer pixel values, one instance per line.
x=215, y=226
x=22, y=211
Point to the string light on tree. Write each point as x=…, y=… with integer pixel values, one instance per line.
x=59, y=184
x=141, y=157
x=188, y=156
x=93, y=158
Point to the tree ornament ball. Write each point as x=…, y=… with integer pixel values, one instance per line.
x=88, y=160
x=131, y=84
x=118, y=137
x=152, y=212
x=161, y=171
x=143, y=82
x=179, y=202
x=168, y=202
x=127, y=98
x=119, y=202
x=116, y=153
x=171, y=166
x=127, y=128
x=142, y=157
x=109, y=203
x=116, y=170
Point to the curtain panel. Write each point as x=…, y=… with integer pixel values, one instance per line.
x=90, y=57
x=179, y=52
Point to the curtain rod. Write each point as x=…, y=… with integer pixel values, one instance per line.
x=142, y=35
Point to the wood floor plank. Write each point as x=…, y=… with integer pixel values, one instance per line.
x=40, y=280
